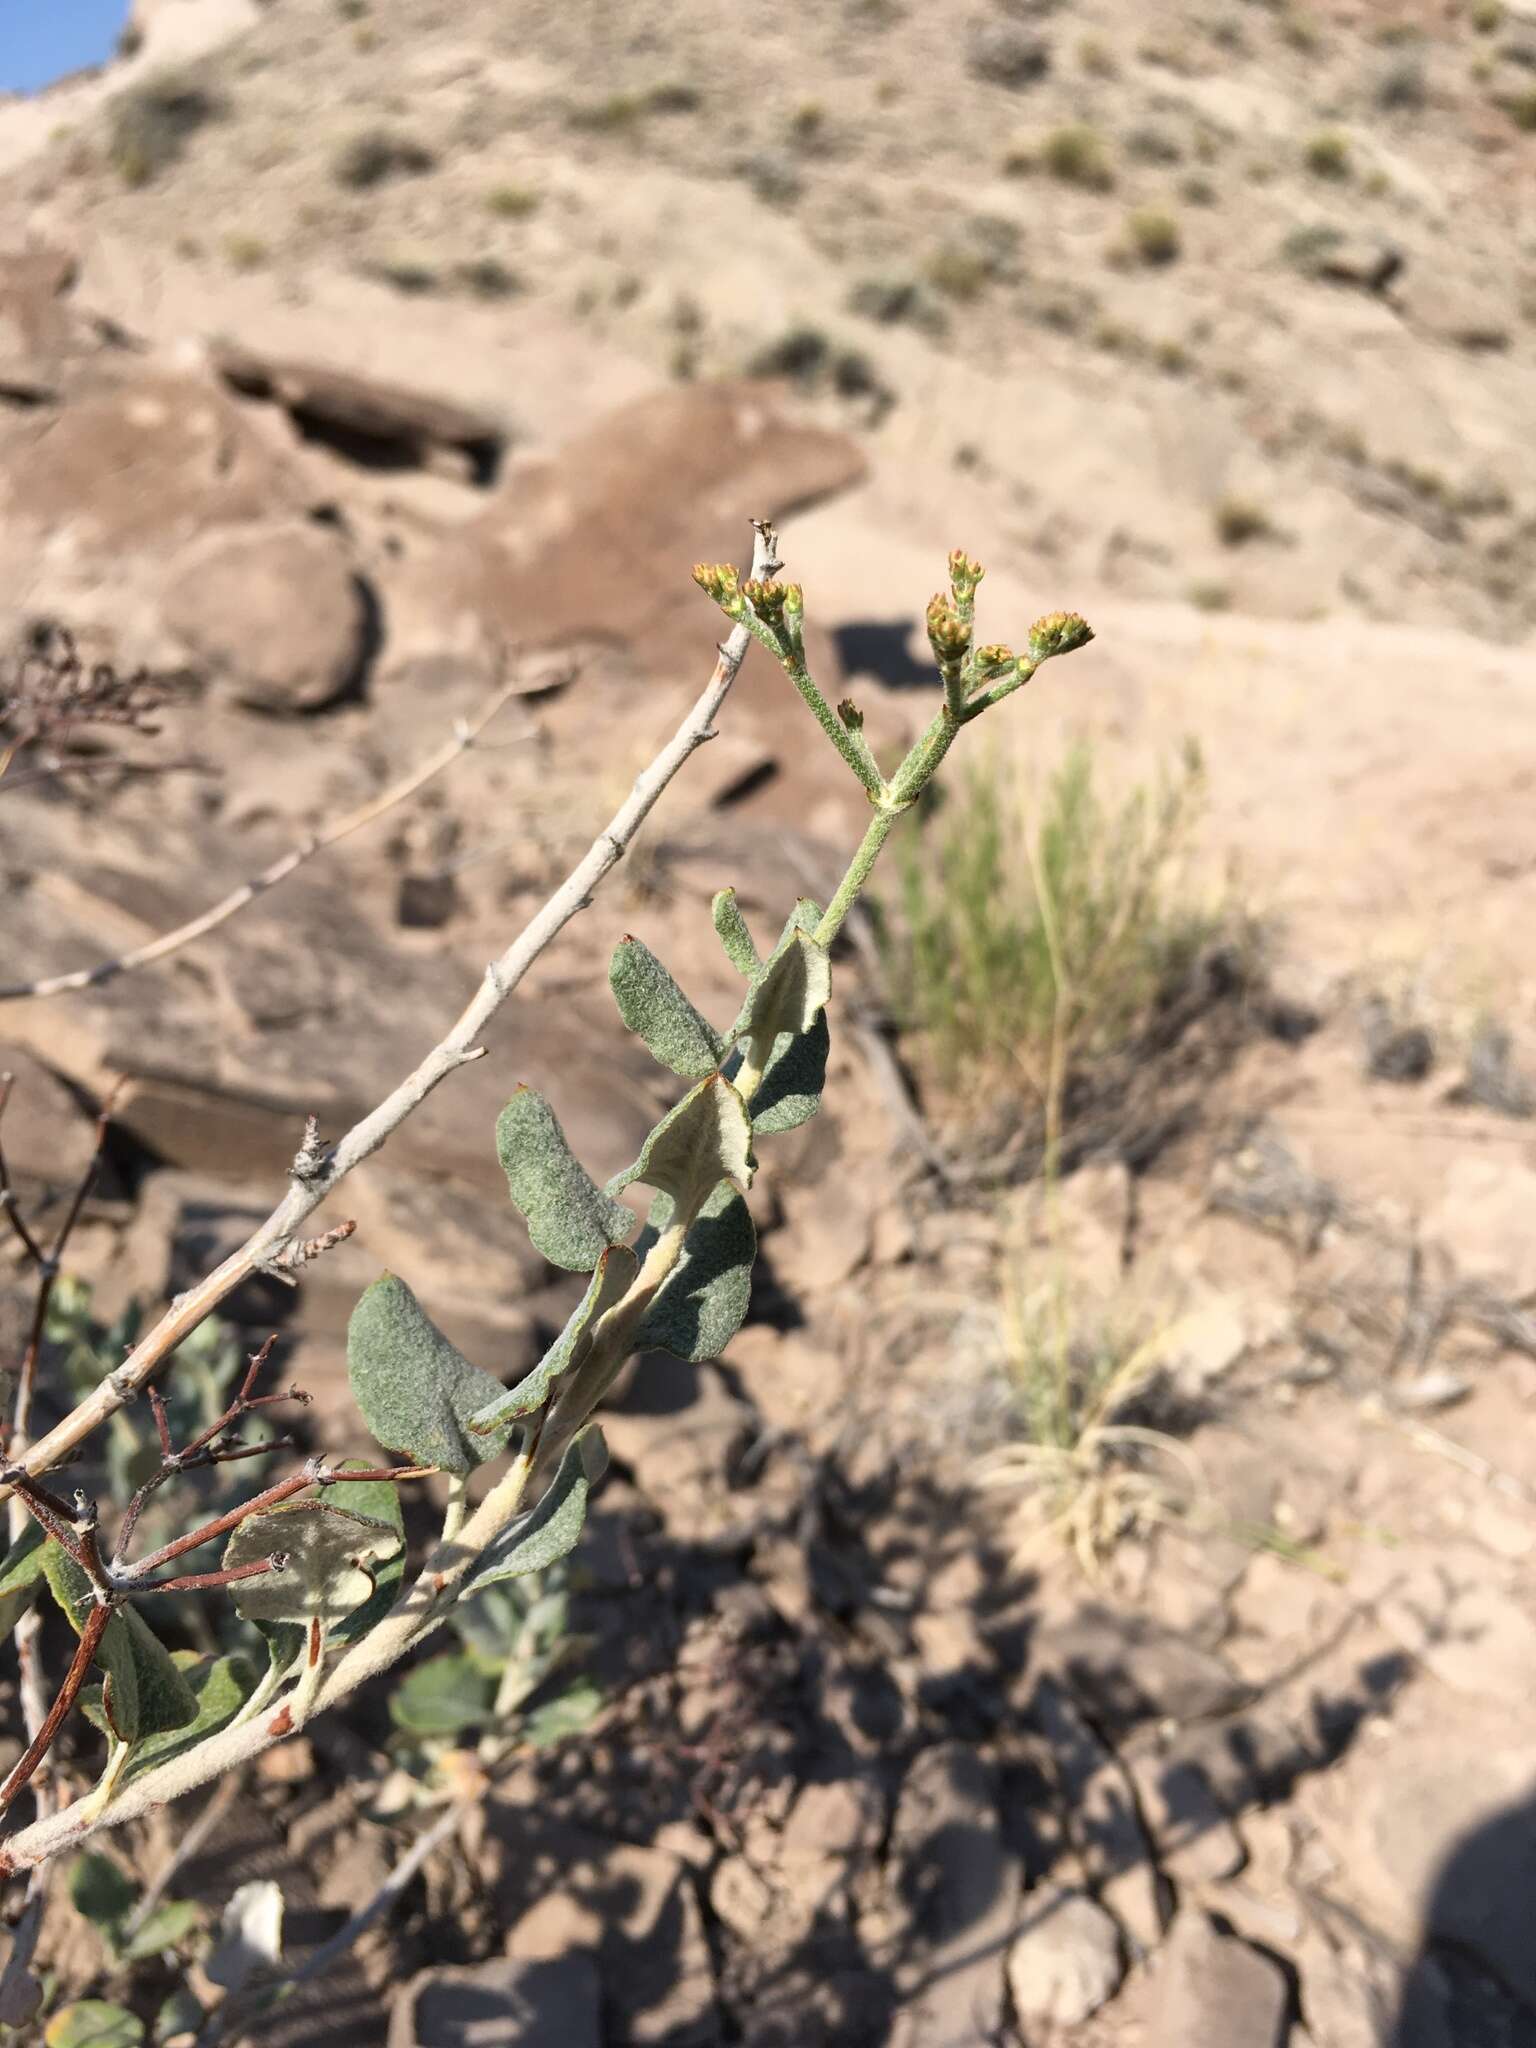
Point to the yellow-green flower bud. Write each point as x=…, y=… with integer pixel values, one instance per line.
x=964, y=574
x=992, y=660
x=1058, y=633
x=947, y=634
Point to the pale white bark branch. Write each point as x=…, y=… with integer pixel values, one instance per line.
x=460, y=1045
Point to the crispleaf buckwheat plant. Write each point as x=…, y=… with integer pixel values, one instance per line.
x=315, y=1560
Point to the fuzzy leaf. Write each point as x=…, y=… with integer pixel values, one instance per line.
x=701, y=1304
x=570, y=1219
x=220, y=1686
x=144, y=1694
x=551, y=1531
x=415, y=1390
x=785, y=998
x=165, y=1927
x=789, y=1093
x=330, y=1553
x=443, y=1696
x=102, y=1892
x=566, y=1714
x=93, y=2023
x=656, y=1010
x=284, y=1640
x=734, y=935
x=20, y=1571
x=707, y=1138
x=379, y=1500
x=615, y=1270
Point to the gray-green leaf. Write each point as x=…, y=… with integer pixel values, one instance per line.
x=785, y=998
x=93, y=2023
x=220, y=1687
x=102, y=1892
x=552, y=1530
x=379, y=1500
x=167, y=1925
x=703, y=1301
x=707, y=1138
x=656, y=1010
x=615, y=1270
x=443, y=1696
x=20, y=1571
x=789, y=1093
x=330, y=1554
x=144, y=1693
x=734, y=935
x=415, y=1390
x=565, y=1715
x=570, y=1219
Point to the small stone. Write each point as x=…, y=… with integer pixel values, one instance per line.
x=1216, y=1992
x=1066, y=1961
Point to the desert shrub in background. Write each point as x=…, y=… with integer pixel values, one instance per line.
x=1084, y=1467
x=1239, y=520
x=314, y=1563
x=152, y=123
x=1078, y=156
x=1152, y=236
x=377, y=155
x=1327, y=155
x=986, y=878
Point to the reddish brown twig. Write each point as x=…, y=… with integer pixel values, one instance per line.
x=46, y=1260
x=90, y=1640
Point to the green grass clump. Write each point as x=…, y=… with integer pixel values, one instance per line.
x=1521, y=108
x=1152, y=236
x=982, y=886
x=513, y=202
x=152, y=123
x=1327, y=155
x=1078, y=156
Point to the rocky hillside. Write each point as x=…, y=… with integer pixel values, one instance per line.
x=1230, y=304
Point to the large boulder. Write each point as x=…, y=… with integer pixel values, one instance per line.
x=595, y=543
x=97, y=497
x=275, y=611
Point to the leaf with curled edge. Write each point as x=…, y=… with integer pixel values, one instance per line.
x=660, y=1015
x=707, y=1138
x=331, y=1557
x=731, y=929
x=143, y=1693
x=616, y=1270
x=703, y=1301
x=570, y=1219
x=551, y=1530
